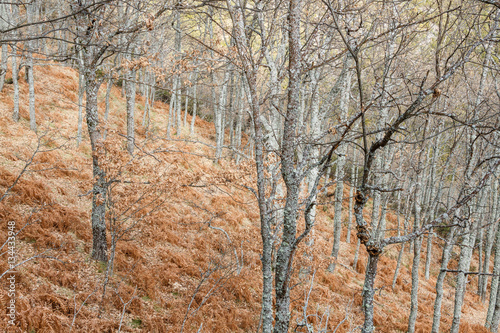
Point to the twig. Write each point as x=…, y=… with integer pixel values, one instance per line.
x=75, y=313
x=125, y=305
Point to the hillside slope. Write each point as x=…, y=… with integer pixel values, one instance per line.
x=193, y=259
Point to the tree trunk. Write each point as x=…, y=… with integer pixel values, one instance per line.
x=178, y=106
x=356, y=256
x=369, y=292
x=4, y=23
x=489, y=239
x=495, y=320
x=186, y=102
x=219, y=116
x=432, y=201
x=31, y=89
x=436, y=319
x=109, y=85
x=171, y=111
x=147, y=88
x=3, y=65
x=354, y=177
x=417, y=247
x=401, y=251
x=81, y=91
x=284, y=261
x=30, y=13
x=195, y=102
x=99, y=245
x=239, y=121
x=15, y=82
x=463, y=267
x=398, y=266
x=345, y=92
x=15, y=67
x=130, y=91
x=495, y=279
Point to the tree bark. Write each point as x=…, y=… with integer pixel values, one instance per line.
x=4, y=23
x=495, y=279
x=31, y=91
x=131, y=92
x=99, y=192
x=195, y=101
x=289, y=174
x=369, y=292
x=354, y=179
x=417, y=246
x=401, y=251
x=3, y=65
x=489, y=239
x=339, y=190
x=448, y=246
x=220, y=111
x=81, y=91
x=186, y=102
x=30, y=12
x=171, y=110
x=463, y=267
x=148, y=93
x=15, y=82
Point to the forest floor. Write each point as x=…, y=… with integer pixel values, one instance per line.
x=192, y=261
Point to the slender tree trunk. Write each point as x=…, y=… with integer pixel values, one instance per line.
x=42, y=44
x=15, y=82
x=186, y=103
x=354, y=177
x=369, y=292
x=417, y=246
x=341, y=151
x=171, y=111
x=219, y=116
x=4, y=23
x=381, y=226
x=178, y=49
x=109, y=85
x=15, y=68
x=235, y=119
x=398, y=266
x=237, y=139
x=463, y=267
x=178, y=106
x=30, y=13
x=99, y=245
x=401, y=251
x=448, y=246
x=131, y=91
x=61, y=44
x=495, y=279
x=284, y=261
x=3, y=65
x=145, y=115
x=356, y=256
x=489, y=239
x=480, y=96
x=195, y=102
x=81, y=91
x=495, y=320
x=31, y=89
x=432, y=204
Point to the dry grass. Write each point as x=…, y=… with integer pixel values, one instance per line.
x=163, y=262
